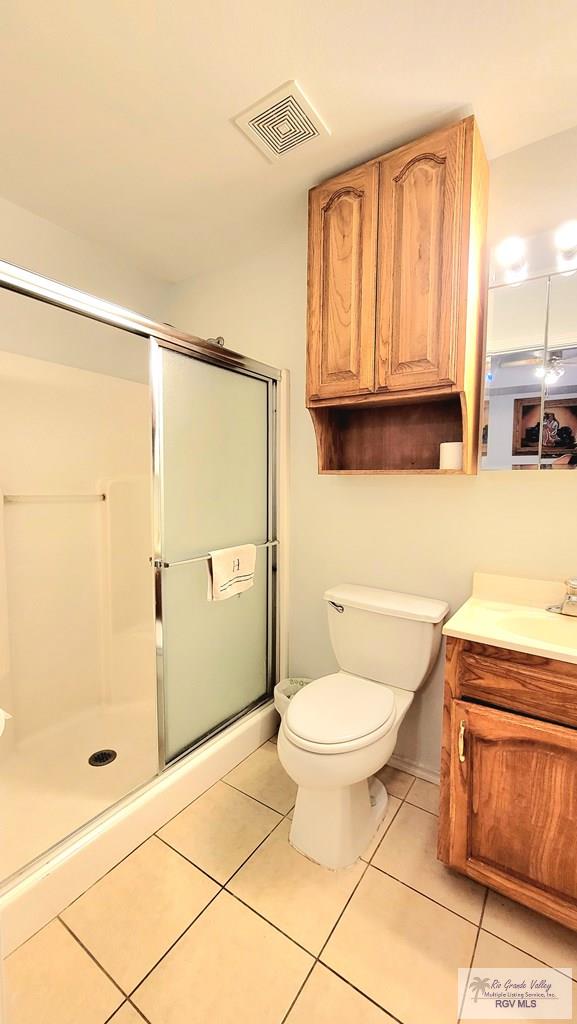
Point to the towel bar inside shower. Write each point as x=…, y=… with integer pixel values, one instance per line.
x=37, y=499
x=160, y=564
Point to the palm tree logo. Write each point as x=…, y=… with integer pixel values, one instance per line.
x=479, y=986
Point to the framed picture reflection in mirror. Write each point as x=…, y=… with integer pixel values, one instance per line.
x=559, y=426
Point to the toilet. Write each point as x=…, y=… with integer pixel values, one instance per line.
x=338, y=731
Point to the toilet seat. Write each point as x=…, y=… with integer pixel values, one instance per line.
x=339, y=712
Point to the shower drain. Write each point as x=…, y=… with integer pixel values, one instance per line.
x=100, y=757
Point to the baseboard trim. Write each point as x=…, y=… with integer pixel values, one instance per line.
x=415, y=768
x=49, y=887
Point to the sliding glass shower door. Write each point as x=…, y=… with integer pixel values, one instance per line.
x=215, y=468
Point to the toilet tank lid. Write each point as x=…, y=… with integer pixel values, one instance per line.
x=388, y=602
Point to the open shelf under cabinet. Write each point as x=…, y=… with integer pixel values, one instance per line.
x=389, y=438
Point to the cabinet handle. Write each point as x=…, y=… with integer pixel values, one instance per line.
x=462, y=740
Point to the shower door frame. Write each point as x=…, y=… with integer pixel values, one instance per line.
x=54, y=293
x=270, y=376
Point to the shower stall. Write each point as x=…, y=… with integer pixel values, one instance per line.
x=128, y=452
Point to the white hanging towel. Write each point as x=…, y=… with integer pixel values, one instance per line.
x=230, y=571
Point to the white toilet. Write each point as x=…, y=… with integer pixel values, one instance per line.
x=342, y=728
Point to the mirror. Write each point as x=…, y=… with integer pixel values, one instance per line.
x=516, y=325
x=559, y=443
x=529, y=412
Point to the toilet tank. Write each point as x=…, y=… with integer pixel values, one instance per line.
x=384, y=635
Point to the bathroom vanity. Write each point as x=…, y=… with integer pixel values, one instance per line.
x=509, y=758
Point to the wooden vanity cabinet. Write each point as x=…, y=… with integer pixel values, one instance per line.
x=396, y=303
x=509, y=775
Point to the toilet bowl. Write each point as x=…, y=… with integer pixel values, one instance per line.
x=341, y=729
x=332, y=757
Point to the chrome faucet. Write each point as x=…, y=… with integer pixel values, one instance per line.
x=568, y=605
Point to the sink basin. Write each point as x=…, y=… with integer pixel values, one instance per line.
x=545, y=627
x=511, y=612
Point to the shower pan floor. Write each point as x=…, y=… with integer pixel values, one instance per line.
x=48, y=789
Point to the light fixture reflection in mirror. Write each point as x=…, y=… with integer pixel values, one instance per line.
x=559, y=445
x=512, y=406
x=552, y=370
x=511, y=254
x=566, y=246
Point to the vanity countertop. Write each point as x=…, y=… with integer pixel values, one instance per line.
x=511, y=612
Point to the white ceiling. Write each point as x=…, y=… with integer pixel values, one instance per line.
x=115, y=116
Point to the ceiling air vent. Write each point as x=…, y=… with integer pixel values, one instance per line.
x=281, y=122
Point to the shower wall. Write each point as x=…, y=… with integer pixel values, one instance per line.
x=78, y=602
x=77, y=644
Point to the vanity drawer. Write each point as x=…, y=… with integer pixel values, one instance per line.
x=525, y=683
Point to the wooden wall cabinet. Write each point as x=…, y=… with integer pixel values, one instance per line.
x=396, y=301
x=509, y=775
x=342, y=261
x=421, y=206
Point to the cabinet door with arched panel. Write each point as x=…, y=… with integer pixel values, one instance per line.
x=342, y=271
x=421, y=257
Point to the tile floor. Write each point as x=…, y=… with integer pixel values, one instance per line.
x=217, y=919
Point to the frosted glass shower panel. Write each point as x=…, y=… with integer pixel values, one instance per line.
x=215, y=652
x=215, y=457
x=217, y=438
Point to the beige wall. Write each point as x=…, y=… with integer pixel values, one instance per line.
x=38, y=245
x=32, y=328
x=422, y=535
x=533, y=188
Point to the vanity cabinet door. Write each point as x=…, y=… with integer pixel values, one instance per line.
x=513, y=807
x=341, y=285
x=420, y=299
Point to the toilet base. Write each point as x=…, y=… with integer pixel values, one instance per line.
x=333, y=827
